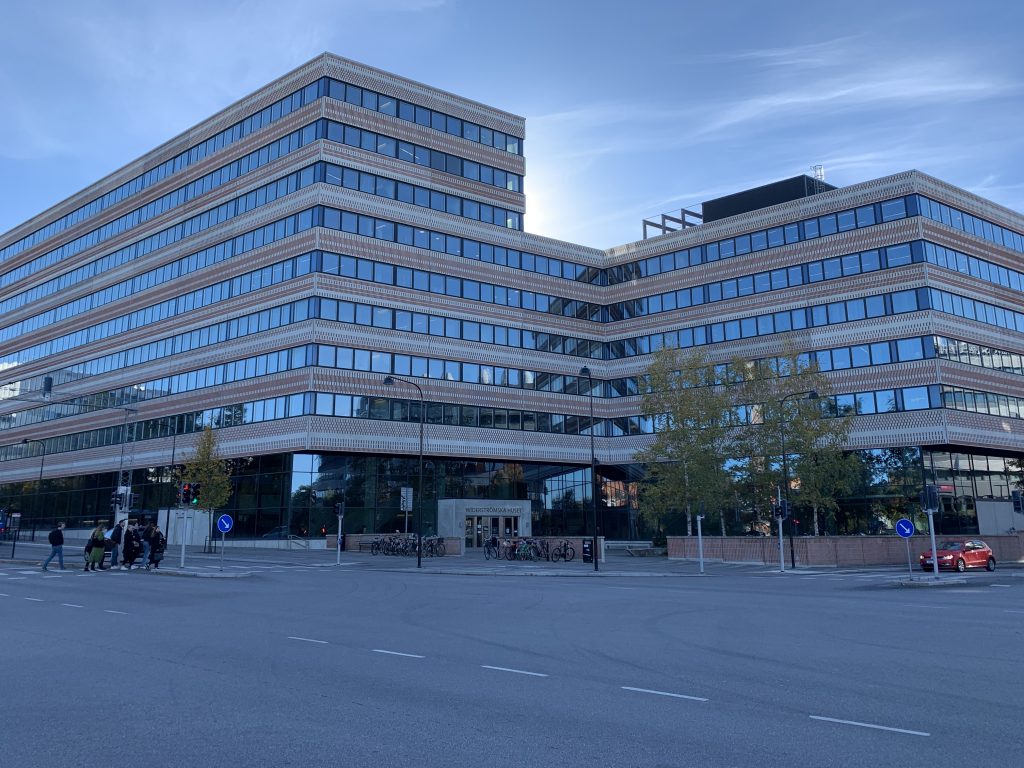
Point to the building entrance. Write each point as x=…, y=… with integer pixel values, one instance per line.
x=480, y=528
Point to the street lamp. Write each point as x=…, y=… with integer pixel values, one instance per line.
x=391, y=381
x=809, y=395
x=585, y=371
x=39, y=485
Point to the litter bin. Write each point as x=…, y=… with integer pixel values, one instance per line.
x=588, y=551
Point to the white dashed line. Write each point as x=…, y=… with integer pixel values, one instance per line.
x=27, y=573
x=664, y=693
x=396, y=653
x=4, y=594
x=51, y=577
x=869, y=725
x=72, y=605
x=1009, y=611
x=120, y=613
x=1000, y=585
x=514, y=671
x=16, y=578
x=308, y=640
x=34, y=599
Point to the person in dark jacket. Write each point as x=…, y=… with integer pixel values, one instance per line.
x=131, y=546
x=117, y=536
x=147, y=542
x=157, y=545
x=56, y=546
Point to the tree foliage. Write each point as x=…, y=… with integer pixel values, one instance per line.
x=210, y=471
x=686, y=460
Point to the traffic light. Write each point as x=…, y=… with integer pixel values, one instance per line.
x=930, y=497
x=193, y=498
x=129, y=500
x=782, y=510
x=185, y=494
x=116, y=501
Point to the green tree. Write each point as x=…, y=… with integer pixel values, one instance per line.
x=211, y=472
x=778, y=409
x=686, y=460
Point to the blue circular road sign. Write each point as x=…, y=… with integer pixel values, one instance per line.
x=225, y=523
x=905, y=528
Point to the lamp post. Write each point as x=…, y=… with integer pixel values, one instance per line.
x=39, y=484
x=391, y=381
x=809, y=395
x=585, y=371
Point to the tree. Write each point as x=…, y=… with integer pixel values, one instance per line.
x=207, y=469
x=686, y=460
x=778, y=409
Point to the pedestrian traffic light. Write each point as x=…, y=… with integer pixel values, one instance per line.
x=116, y=501
x=784, y=506
x=129, y=500
x=193, y=498
x=930, y=497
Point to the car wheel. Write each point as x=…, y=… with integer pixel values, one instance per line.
x=991, y=564
x=961, y=565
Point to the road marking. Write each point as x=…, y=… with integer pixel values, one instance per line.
x=51, y=577
x=921, y=605
x=1001, y=585
x=396, y=653
x=869, y=725
x=630, y=588
x=120, y=613
x=664, y=693
x=34, y=599
x=1009, y=611
x=4, y=594
x=28, y=573
x=515, y=671
x=308, y=640
x=72, y=605
x=16, y=578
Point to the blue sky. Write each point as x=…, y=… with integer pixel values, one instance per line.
x=632, y=109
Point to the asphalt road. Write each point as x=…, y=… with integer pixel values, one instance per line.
x=356, y=666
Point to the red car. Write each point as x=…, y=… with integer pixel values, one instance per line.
x=961, y=555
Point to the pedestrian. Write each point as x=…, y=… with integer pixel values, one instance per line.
x=95, y=548
x=147, y=542
x=56, y=546
x=131, y=546
x=117, y=537
x=158, y=543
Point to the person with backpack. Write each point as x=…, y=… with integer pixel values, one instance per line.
x=95, y=548
x=56, y=546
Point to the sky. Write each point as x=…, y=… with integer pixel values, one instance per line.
x=632, y=108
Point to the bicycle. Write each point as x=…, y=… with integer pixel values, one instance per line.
x=491, y=549
x=563, y=551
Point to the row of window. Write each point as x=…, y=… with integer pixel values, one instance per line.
x=317, y=130
x=215, y=143
x=947, y=258
x=973, y=225
x=763, y=282
x=168, y=272
x=1004, y=406
x=808, y=229
x=428, y=118
x=389, y=409
x=318, y=172
x=335, y=89
x=972, y=309
x=414, y=153
x=979, y=355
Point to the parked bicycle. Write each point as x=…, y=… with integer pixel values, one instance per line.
x=433, y=546
x=491, y=548
x=563, y=551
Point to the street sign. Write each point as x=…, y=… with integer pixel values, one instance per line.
x=406, y=501
x=224, y=523
x=905, y=528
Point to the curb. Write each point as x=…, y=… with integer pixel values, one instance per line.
x=540, y=574
x=202, y=574
x=932, y=582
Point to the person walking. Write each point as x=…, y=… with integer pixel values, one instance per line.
x=131, y=546
x=117, y=537
x=147, y=542
x=56, y=546
x=158, y=543
x=95, y=547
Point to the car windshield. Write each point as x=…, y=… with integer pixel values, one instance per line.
x=954, y=545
